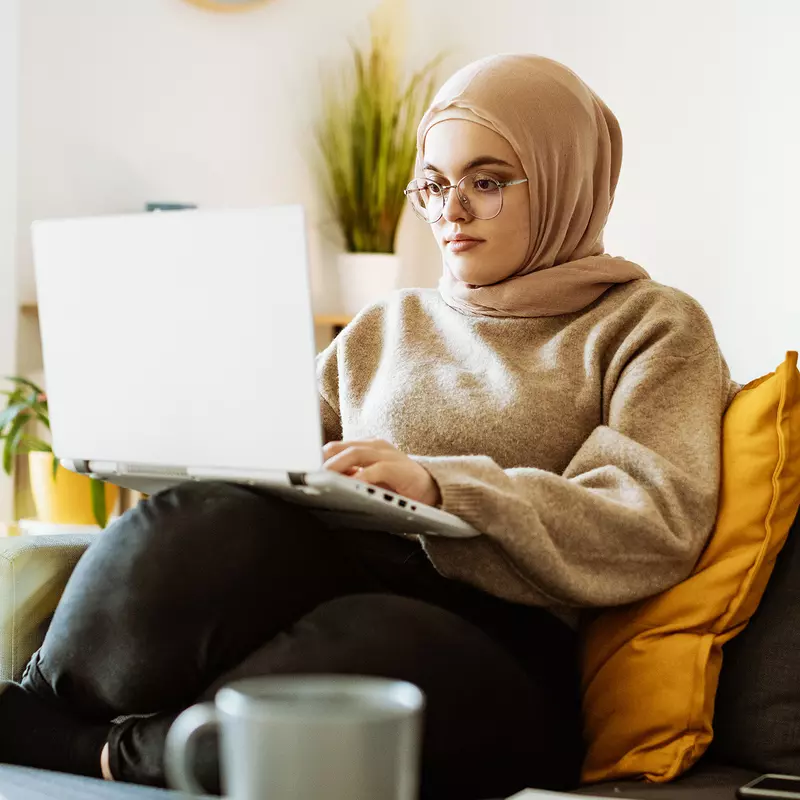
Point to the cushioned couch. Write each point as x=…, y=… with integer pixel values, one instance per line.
x=757, y=720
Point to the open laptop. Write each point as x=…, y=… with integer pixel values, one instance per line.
x=180, y=346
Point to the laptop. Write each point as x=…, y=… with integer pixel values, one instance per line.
x=179, y=346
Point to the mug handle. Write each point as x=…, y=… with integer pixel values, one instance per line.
x=179, y=749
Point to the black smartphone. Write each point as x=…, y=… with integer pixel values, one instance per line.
x=771, y=785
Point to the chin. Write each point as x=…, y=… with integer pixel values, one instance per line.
x=464, y=272
x=472, y=276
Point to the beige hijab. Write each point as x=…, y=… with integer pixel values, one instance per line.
x=570, y=146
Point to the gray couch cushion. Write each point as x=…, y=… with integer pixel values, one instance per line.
x=33, y=573
x=705, y=782
x=757, y=718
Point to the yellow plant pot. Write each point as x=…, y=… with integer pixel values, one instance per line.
x=67, y=498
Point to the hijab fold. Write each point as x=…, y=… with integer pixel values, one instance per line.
x=570, y=146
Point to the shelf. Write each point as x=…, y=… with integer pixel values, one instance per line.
x=320, y=320
x=334, y=320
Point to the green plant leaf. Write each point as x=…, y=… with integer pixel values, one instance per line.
x=25, y=382
x=8, y=457
x=42, y=415
x=8, y=414
x=26, y=397
x=98, y=490
x=12, y=439
x=32, y=444
x=55, y=467
x=366, y=138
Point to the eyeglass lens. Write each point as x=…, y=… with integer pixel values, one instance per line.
x=481, y=197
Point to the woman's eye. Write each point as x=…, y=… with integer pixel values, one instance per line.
x=485, y=184
x=433, y=188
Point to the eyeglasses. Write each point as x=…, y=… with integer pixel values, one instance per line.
x=480, y=196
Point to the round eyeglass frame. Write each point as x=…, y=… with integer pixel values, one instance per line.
x=412, y=187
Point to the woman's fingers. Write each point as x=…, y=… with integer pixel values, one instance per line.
x=384, y=474
x=373, y=461
x=378, y=463
x=333, y=448
x=352, y=457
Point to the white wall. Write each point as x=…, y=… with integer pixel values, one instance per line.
x=765, y=292
x=154, y=100
x=9, y=84
x=126, y=102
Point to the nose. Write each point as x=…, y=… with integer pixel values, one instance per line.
x=453, y=210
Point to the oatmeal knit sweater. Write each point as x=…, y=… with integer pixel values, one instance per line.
x=585, y=447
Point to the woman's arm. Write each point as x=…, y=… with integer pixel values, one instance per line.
x=629, y=516
x=328, y=383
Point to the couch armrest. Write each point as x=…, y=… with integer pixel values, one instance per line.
x=33, y=573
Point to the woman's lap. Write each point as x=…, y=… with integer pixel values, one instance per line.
x=183, y=587
x=202, y=585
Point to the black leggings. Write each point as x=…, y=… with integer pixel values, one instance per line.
x=206, y=583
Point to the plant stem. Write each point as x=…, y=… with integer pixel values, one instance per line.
x=98, y=489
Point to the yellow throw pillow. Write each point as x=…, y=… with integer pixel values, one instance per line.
x=650, y=670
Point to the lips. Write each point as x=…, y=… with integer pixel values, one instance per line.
x=461, y=245
x=462, y=237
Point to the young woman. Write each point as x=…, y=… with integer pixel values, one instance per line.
x=551, y=395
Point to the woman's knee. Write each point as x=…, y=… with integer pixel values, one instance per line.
x=145, y=603
x=393, y=636
x=205, y=510
x=194, y=523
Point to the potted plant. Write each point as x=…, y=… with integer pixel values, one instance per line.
x=367, y=140
x=60, y=496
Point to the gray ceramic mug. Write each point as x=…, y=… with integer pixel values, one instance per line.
x=304, y=737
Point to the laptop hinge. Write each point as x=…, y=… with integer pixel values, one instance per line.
x=80, y=465
x=270, y=477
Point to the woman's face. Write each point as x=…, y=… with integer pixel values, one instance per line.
x=457, y=147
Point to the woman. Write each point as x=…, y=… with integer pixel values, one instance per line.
x=551, y=395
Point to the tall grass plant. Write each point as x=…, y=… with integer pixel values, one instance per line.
x=367, y=140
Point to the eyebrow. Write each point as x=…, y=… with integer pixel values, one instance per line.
x=480, y=161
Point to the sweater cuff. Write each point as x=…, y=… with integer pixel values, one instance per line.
x=463, y=494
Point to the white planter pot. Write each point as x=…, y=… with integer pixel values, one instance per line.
x=365, y=278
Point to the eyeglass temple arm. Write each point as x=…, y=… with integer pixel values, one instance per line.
x=512, y=183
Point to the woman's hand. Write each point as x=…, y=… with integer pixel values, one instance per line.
x=378, y=462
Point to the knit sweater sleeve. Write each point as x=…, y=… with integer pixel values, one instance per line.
x=628, y=517
x=328, y=383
